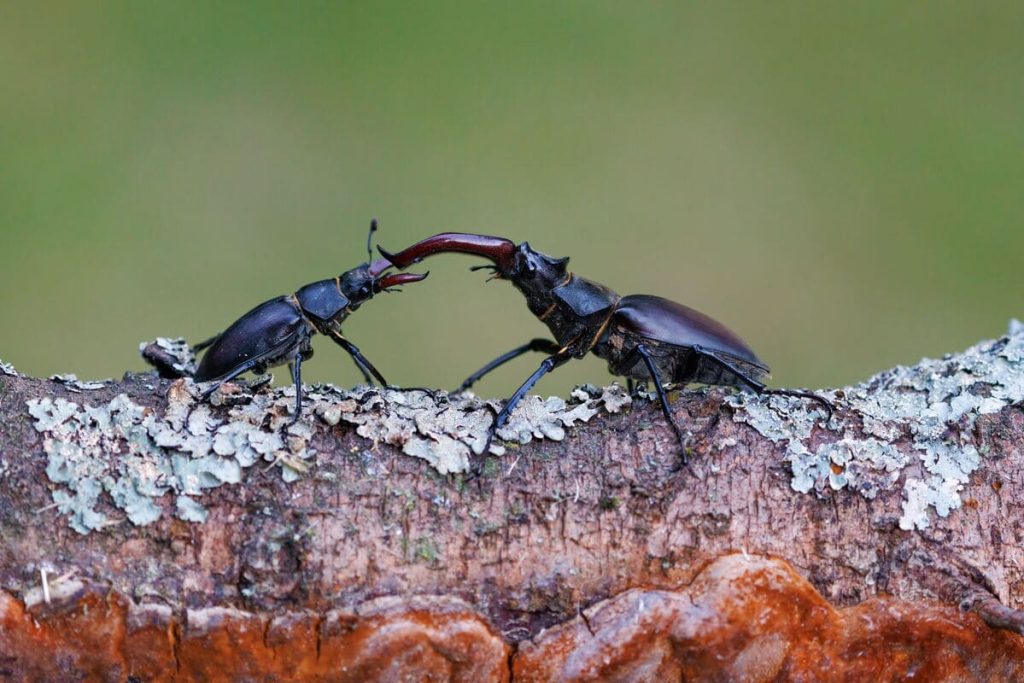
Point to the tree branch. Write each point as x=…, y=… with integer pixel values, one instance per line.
x=144, y=530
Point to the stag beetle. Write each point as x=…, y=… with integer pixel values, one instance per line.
x=642, y=337
x=279, y=331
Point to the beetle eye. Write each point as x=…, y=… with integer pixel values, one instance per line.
x=364, y=290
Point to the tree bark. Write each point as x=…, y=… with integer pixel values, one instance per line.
x=148, y=534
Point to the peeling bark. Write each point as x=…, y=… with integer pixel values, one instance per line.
x=903, y=507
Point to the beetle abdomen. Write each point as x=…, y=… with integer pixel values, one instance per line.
x=264, y=333
x=676, y=365
x=672, y=323
x=704, y=370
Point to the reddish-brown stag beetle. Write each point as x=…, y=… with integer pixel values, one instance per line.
x=642, y=337
x=279, y=331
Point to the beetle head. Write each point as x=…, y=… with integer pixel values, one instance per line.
x=533, y=272
x=361, y=283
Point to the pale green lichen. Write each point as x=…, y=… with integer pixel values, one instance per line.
x=190, y=511
x=548, y=418
x=75, y=441
x=155, y=455
x=447, y=430
x=189, y=449
x=934, y=405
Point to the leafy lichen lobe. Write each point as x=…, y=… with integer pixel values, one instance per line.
x=136, y=455
x=933, y=406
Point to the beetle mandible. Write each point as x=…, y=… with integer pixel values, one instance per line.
x=280, y=330
x=642, y=337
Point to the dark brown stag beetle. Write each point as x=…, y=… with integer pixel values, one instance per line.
x=642, y=337
x=279, y=331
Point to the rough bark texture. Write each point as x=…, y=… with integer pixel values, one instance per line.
x=148, y=535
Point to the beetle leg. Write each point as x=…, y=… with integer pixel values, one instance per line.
x=549, y=364
x=261, y=381
x=205, y=343
x=759, y=387
x=825, y=403
x=363, y=370
x=243, y=368
x=296, y=369
x=542, y=345
x=645, y=354
x=634, y=386
x=357, y=356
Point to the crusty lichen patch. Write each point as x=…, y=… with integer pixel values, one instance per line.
x=76, y=385
x=136, y=455
x=8, y=369
x=932, y=406
x=447, y=430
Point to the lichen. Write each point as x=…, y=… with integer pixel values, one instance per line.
x=447, y=430
x=72, y=382
x=184, y=452
x=189, y=510
x=8, y=369
x=932, y=406
x=192, y=448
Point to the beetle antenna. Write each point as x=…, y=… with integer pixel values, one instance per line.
x=369, y=239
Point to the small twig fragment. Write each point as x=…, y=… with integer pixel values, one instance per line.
x=995, y=613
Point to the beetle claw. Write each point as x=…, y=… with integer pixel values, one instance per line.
x=825, y=403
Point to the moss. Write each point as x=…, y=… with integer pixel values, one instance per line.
x=425, y=550
x=516, y=515
x=491, y=468
x=486, y=528
x=544, y=455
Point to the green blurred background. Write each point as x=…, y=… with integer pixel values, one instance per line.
x=841, y=184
